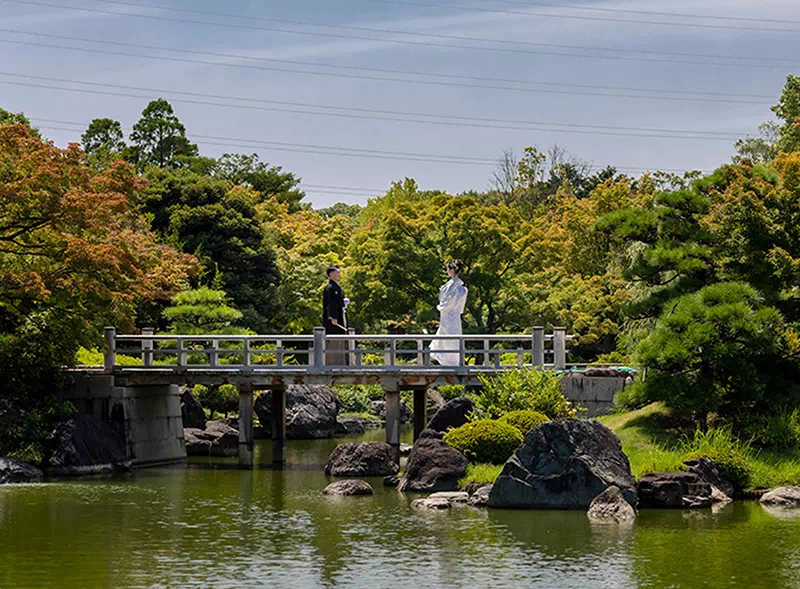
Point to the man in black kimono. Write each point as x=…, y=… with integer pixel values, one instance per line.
x=333, y=317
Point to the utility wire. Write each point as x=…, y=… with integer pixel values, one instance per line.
x=391, y=115
x=688, y=95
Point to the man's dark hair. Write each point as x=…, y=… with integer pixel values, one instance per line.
x=330, y=269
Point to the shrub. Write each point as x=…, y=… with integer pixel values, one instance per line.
x=631, y=398
x=355, y=398
x=451, y=391
x=731, y=456
x=523, y=420
x=209, y=397
x=779, y=430
x=229, y=398
x=480, y=474
x=486, y=440
x=524, y=389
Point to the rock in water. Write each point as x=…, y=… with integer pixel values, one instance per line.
x=361, y=459
x=85, y=445
x=454, y=414
x=379, y=408
x=430, y=504
x=480, y=498
x=349, y=425
x=782, y=497
x=13, y=471
x=218, y=439
x=611, y=506
x=192, y=411
x=564, y=465
x=348, y=488
x=433, y=466
x=708, y=471
x=674, y=489
x=310, y=411
x=391, y=480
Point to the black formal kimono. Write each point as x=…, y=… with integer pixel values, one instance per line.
x=333, y=308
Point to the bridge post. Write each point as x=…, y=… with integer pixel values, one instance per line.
x=420, y=411
x=537, y=351
x=393, y=419
x=147, y=347
x=319, y=348
x=560, y=347
x=246, y=427
x=278, y=425
x=109, y=359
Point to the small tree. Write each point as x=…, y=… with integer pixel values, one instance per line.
x=202, y=311
x=524, y=389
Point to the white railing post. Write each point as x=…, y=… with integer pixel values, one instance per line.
x=279, y=353
x=181, y=353
x=537, y=347
x=110, y=356
x=147, y=347
x=214, y=354
x=487, y=356
x=420, y=352
x=319, y=348
x=351, y=347
x=560, y=347
x=246, y=350
x=392, y=352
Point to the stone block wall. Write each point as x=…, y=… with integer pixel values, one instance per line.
x=596, y=393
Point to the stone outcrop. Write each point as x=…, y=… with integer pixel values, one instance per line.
x=707, y=470
x=611, y=506
x=361, y=459
x=429, y=433
x=218, y=439
x=311, y=411
x=442, y=500
x=683, y=490
x=13, y=471
x=349, y=426
x=433, y=466
x=391, y=480
x=379, y=408
x=429, y=504
x=192, y=411
x=564, y=465
x=782, y=497
x=480, y=498
x=348, y=488
x=85, y=445
x=455, y=413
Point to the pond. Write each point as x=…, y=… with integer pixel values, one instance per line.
x=211, y=525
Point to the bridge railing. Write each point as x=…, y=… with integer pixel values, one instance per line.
x=323, y=353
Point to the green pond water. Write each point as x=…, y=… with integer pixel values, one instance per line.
x=211, y=525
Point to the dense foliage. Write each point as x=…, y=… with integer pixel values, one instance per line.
x=486, y=440
x=524, y=421
x=522, y=390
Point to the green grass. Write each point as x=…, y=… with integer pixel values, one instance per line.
x=364, y=416
x=481, y=474
x=653, y=442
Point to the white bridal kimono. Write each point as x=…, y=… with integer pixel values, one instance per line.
x=452, y=299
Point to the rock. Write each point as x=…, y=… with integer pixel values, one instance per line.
x=349, y=426
x=405, y=449
x=429, y=504
x=782, y=497
x=361, y=459
x=608, y=372
x=480, y=498
x=85, y=445
x=718, y=497
x=454, y=497
x=348, y=488
x=311, y=411
x=433, y=466
x=674, y=489
x=435, y=400
x=429, y=433
x=218, y=439
x=391, y=480
x=564, y=465
x=707, y=470
x=379, y=408
x=453, y=414
x=192, y=411
x=13, y=471
x=611, y=506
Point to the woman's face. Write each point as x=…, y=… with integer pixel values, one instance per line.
x=450, y=272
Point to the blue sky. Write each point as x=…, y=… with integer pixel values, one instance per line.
x=521, y=50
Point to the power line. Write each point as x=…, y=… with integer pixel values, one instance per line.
x=688, y=95
x=589, y=18
x=349, y=37
x=395, y=116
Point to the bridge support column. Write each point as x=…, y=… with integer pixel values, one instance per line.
x=420, y=411
x=393, y=419
x=278, y=426
x=246, y=428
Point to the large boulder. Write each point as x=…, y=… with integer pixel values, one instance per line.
x=85, y=445
x=192, y=411
x=708, y=471
x=674, y=489
x=14, y=471
x=782, y=497
x=348, y=488
x=564, y=465
x=311, y=411
x=218, y=439
x=611, y=506
x=361, y=459
x=455, y=413
x=349, y=426
x=433, y=466
x=379, y=408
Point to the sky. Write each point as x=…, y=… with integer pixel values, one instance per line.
x=352, y=95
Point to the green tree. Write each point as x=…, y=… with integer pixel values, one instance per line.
x=11, y=118
x=761, y=149
x=103, y=134
x=159, y=137
x=788, y=111
x=202, y=311
x=268, y=181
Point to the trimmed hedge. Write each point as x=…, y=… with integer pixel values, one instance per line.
x=487, y=440
x=524, y=420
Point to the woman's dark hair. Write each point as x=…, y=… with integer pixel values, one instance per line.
x=456, y=265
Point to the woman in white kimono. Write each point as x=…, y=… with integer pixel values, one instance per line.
x=452, y=299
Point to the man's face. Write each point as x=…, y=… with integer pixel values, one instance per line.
x=336, y=276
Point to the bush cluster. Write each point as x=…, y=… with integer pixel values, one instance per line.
x=355, y=398
x=779, y=430
x=524, y=420
x=221, y=399
x=524, y=389
x=732, y=456
x=486, y=440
